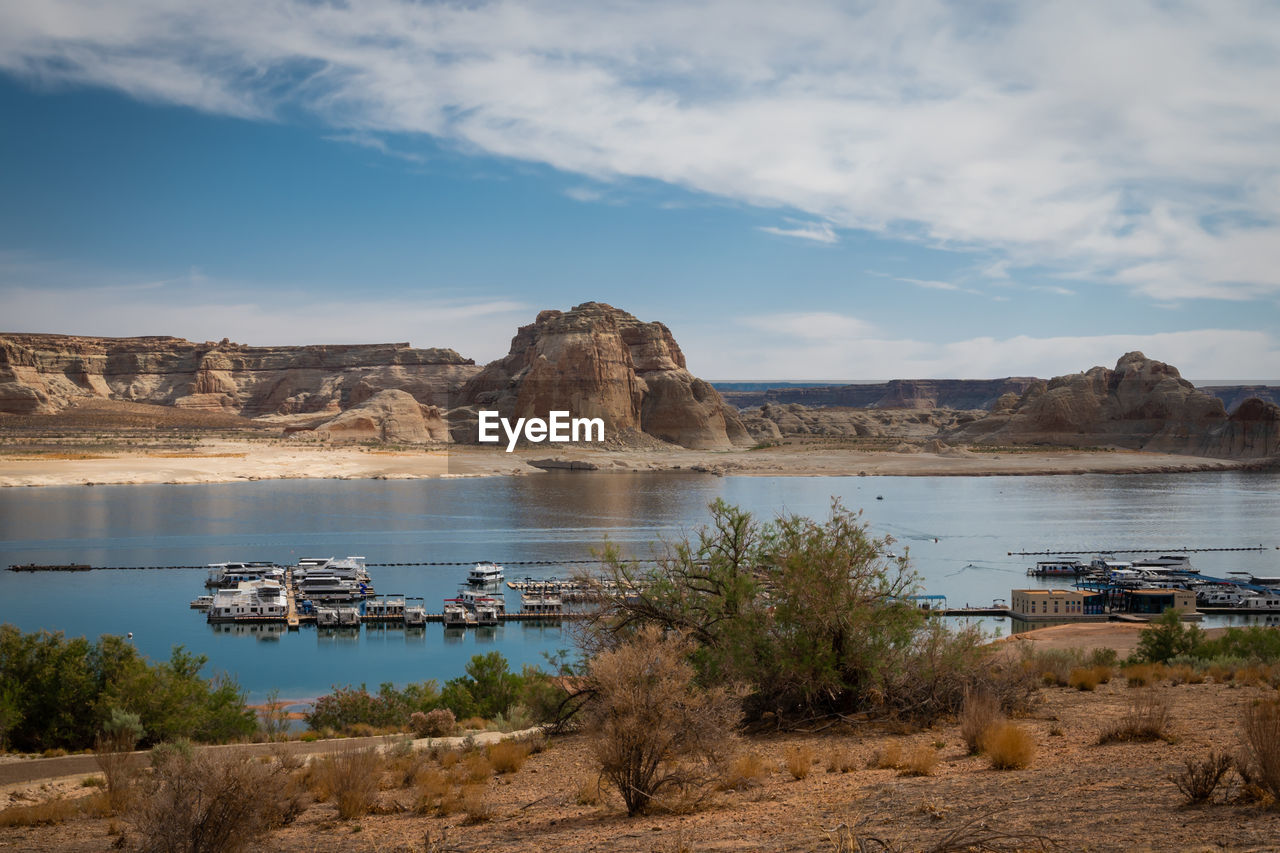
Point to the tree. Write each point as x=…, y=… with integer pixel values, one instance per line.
x=813, y=617
x=1166, y=637
x=652, y=730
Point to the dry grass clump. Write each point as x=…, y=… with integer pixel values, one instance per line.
x=1083, y=678
x=840, y=760
x=474, y=724
x=1144, y=674
x=1200, y=778
x=215, y=800
x=921, y=762
x=1053, y=666
x=1102, y=672
x=40, y=814
x=508, y=756
x=799, y=761
x=476, y=804
x=1185, y=673
x=979, y=713
x=888, y=757
x=1260, y=762
x=1146, y=719
x=477, y=768
x=432, y=786
x=351, y=778
x=587, y=791
x=1009, y=746
x=748, y=770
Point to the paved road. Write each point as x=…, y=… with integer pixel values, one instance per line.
x=35, y=769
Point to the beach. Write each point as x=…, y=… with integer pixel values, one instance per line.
x=220, y=460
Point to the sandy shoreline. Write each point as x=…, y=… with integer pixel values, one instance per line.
x=226, y=461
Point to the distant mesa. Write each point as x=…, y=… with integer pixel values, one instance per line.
x=599, y=361
x=1141, y=404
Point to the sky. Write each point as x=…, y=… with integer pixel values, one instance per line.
x=848, y=190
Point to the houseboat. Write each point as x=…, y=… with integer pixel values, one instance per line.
x=227, y=575
x=456, y=615
x=252, y=600
x=1057, y=569
x=485, y=574
x=388, y=609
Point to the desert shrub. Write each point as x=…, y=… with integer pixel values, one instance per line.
x=431, y=785
x=1199, y=779
x=477, y=724
x=1184, y=674
x=799, y=761
x=651, y=729
x=439, y=722
x=840, y=760
x=1083, y=678
x=748, y=770
x=210, y=801
x=113, y=754
x=1145, y=719
x=921, y=762
x=979, y=713
x=351, y=778
x=476, y=767
x=1255, y=643
x=355, y=709
x=507, y=756
x=1009, y=746
x=1102, y=657
x=476, y=804
x=1251, y=676
x=1260, y=762
x=1141, y=675
x=888, y=757
x=1053, y=666
x=1102, y=672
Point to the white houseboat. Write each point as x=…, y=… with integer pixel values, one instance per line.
x=485, y=574
x=250, y=600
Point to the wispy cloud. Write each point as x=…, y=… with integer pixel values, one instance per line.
x=1131, y=143
x=584, y=194
x=818, y=232
x=811, y=326
x=368, y=140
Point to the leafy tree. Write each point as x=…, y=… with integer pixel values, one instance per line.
x=1167, y=637
x=814, y=617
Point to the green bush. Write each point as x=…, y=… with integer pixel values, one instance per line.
x=812, y=617
x=57, y=693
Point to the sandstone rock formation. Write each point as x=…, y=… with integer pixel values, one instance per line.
x=391, y=416
x=46, y=373
x=598, y=361
x=772, y=422
x=1142, y=404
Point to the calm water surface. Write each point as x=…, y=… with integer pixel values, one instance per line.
x=557, y=516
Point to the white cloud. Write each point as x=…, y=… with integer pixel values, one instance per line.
x=806, y=346
x=818, y=232
x=1126, y=142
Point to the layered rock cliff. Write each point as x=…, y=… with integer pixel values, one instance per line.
x=46, y=373
x=1142, y=404
x=598, y=361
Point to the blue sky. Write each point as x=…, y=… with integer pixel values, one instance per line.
x=920, y=189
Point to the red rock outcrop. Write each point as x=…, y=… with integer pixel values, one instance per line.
x=45, y=373
x=1142, y=404
x=598, y=361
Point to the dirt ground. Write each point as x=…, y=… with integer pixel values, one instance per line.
x=1075, y=794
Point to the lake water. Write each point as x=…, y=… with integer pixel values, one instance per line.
x=975, y=521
